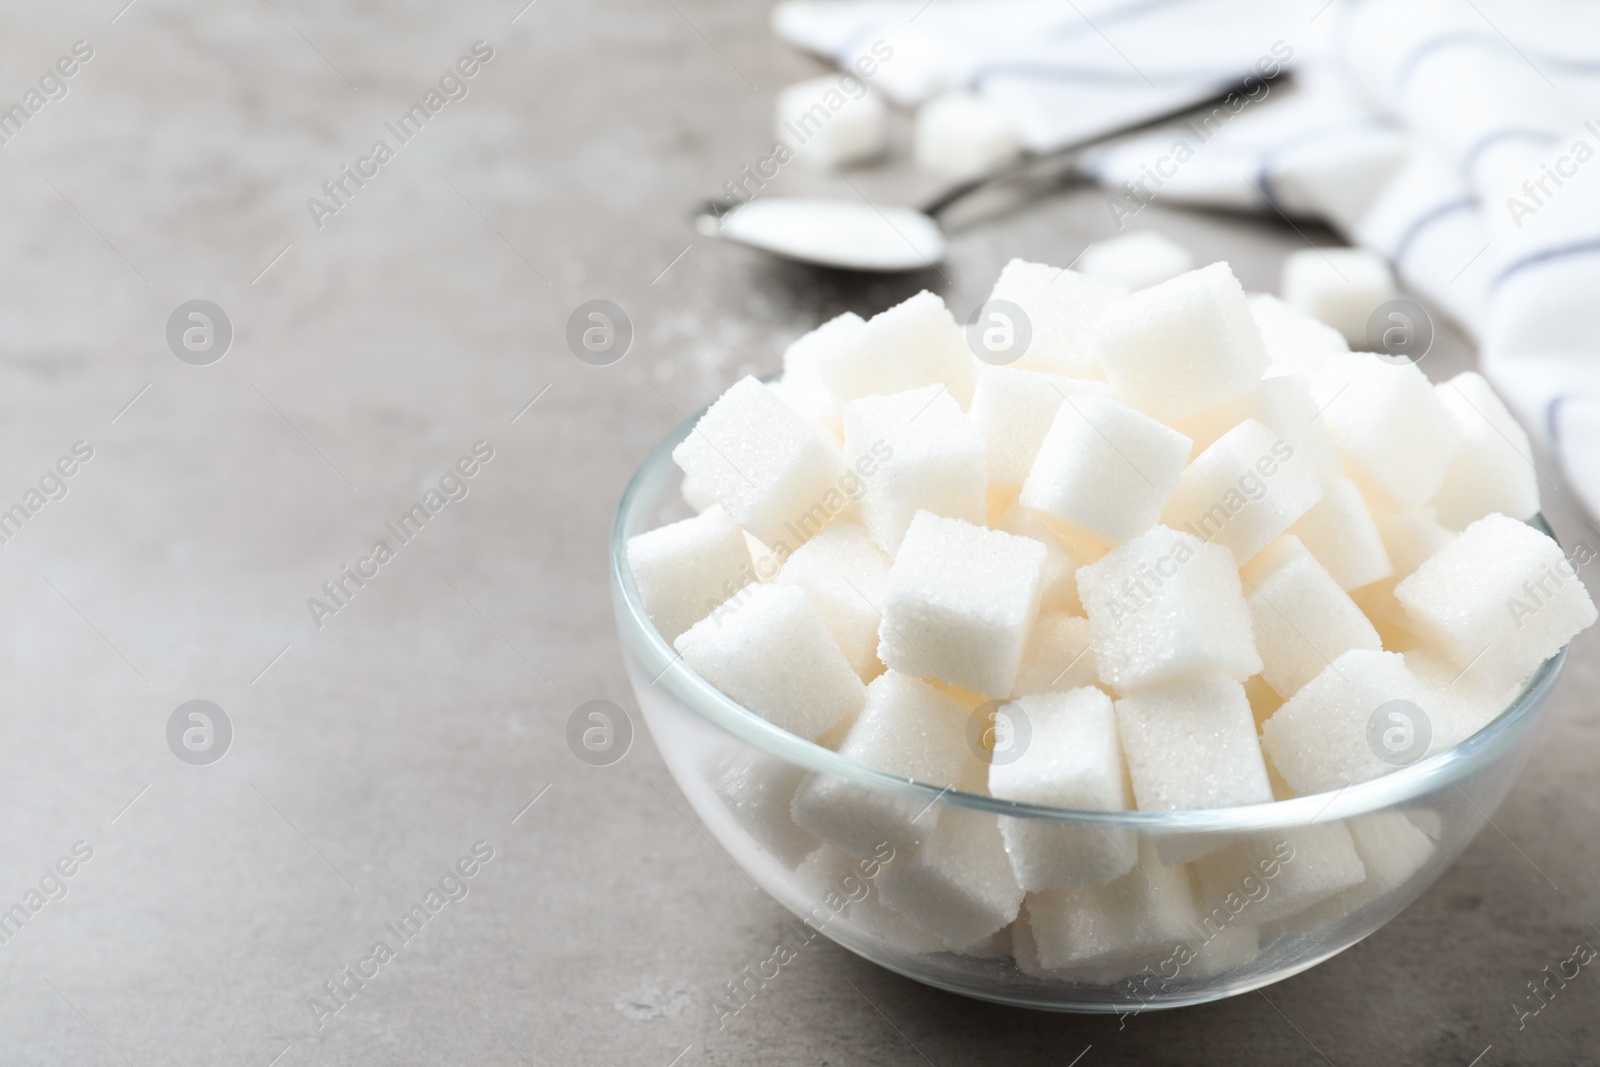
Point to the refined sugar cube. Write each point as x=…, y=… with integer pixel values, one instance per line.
x=1136, y=260
x=763, y=464
x=962, y=135
x=840, y=889
x=844, y=573
x=1224, y=950
x=828, y=125
x=1396, y=435
x=1341, y=533
x=1065, y=553
x=1391, y=849
x=1278, y=874
x=839, y=338
x=907, y=728
x=1492, y=469
x=1409, y=538
x=1181, y=346
x=1013, y=409
x=1319, y=739
x=757, y=791
x=1340, y=286
x=930, y=458
x=1243, y=491
x=1166, y=605
x=960, y=603
x=685, y=569
x=917, y=342
x=1264, y=700
x=771, y=652
x=1061, y=306
x=959, y=883
x=1501, y=597
x=1105, y=468
x=1301, y=619
x=1296, y=343
x=1462, y=702
x=1073, y=759
x=1058, y=656
x=695, y=495
x=1192, y=744
x=1283, y=404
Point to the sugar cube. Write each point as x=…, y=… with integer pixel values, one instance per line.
x=844, y=572
x=958, y=883
x=1320, y=738
x=1301, y=619
x=1192, y=743
x=1342, y=534
x=757, y=791
x=1166, y=605
x=1105, y=468
x=1058, y=656
x=827, y=125
x=930, y=458
x=1013, y=409
x=839, y=338
x=1492, y=469
x=763, y=464
x=917, y=342
x=1340, y=286
x=1392, y=850
x=1462, y=704
x=1396, y=435
x=1072, y=759
x=1181, y=346
x=1243, y=491
x=960, y=603
x=685, y=569
x=695, y=495
x=1283, y=404
x=1501, y=597
x=1065, y=552
x=770, y=651
x=1225, y=949
x=1278, y=874
x=1296, y=342
x=839, y=891
x=1061, y=306
x=908, y=729
x=1136, y=260
x=962, y=135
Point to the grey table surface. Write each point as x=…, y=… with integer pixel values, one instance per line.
x=373, y=751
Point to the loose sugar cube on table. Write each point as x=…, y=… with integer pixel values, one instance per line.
x=917, y=342
x=1061, y=306
x=837, y=339
x=909, y=729
x=1277, y=874
x=958, y=883
x=1341, y=533
x=1136, y=260
x=1192, y=744
x=758, y=790
x=771, y=652
x=828, y=128
x=1501, y=597
x=1013, y=409
x=1243, y=491
x=1296, y=342
x=1166, y=605
x=1072, y=759
x=843, y=572
x=1396, y=435
x=929, y=457
x=1492, y=470
x=1339, y=286
x=963, y=135
x=960, y=604
x=686, y=569
x=1105, y=468
x=1058, y=656
x=1182, y=346
x=763, y=464
x=1301, y=619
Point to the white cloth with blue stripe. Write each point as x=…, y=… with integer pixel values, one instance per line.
x=1460, y=138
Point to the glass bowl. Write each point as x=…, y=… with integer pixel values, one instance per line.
x=1212, y=903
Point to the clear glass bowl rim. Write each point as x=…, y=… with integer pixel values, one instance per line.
x=1444, y=770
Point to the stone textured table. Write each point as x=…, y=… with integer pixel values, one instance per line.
x=375, y=743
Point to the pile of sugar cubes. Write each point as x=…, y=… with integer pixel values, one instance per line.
x=1192, y=542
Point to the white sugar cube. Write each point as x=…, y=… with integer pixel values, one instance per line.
x=1301, y=619
x=963, y=135
x=758, y=791
x=1061, y=306
x=1296, y=342
x=1341, y=533
x=1058, y=656
x=1166, y=605
x=1181, y=346
x=1397, y=437
x=839, y=890
x=804, y=388
x=1243, y=491
x=1072, y=759
x=907, y=728
x=1136, y=260
x=695, y=495
x=1392, y=851
x=1105, y=468
x=917, y=342
x=1279, y=873
x=1492, y=469
x=831, y=122
x=770, y=651
x=1286, y=406
x=1501, y=597
x=844, y=572
x=1409, y=538
x=958, y=883
x=763, y=464
x=685, y=569
x=1013, y=409
x=1319, y=739
x=960, y=604
x=1192, y=744
x=1225, y=949
x=930, y=458
x=1339, y=286
x=1462, y=704
x=1065, y=553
